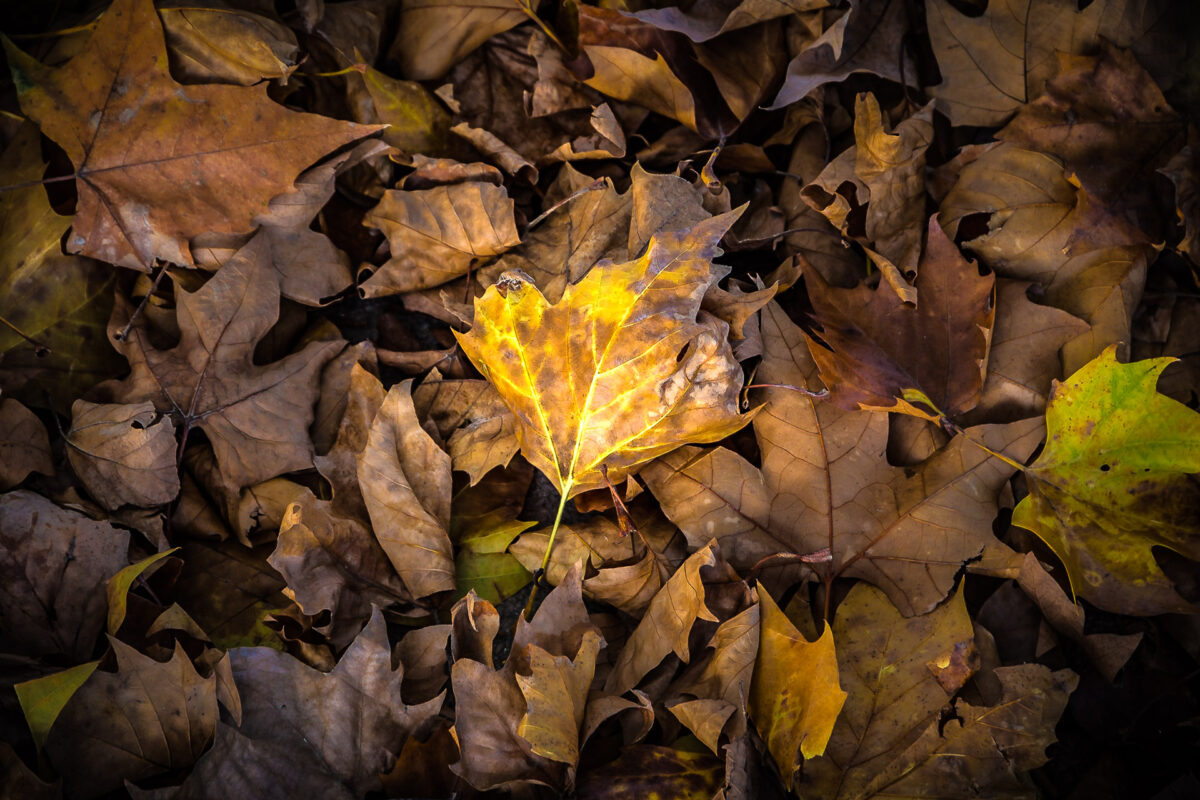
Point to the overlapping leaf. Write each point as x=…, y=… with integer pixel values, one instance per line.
x=593, y=379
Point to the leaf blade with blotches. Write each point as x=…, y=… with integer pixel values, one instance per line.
x=594, y=379
x=1117, y=477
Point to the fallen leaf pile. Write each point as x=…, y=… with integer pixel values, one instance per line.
x=719, y=400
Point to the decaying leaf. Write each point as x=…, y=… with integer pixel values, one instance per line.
x=898, y=674
x=256, y=417
x=352, y=720
x=824, y=483
x=872, y=345
x=654, y=771
x=144, y=719
x=124, y=453
x=1116, y=478
x=24, y=444
x=594, y=380
x=55, y=563
x=136, y=136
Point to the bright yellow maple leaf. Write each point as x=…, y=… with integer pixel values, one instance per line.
x=620, y=370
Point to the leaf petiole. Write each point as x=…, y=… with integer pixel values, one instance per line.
x=562, y=504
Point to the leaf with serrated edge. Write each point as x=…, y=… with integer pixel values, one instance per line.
x=1117, y=477
x=594, y=379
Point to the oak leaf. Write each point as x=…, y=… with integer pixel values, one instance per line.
x=876, y=346
x=1116, y=478
x=136, y=137
x=824, y=483
x=256, y=417
x=596, y=379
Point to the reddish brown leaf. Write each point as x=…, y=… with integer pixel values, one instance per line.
x=136, y=136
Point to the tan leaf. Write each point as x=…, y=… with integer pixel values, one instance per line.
x=435, y=234
x=256, y=417
x=147, y=144
x=666, y=624
x=480, y=431
x=824, y=483
x=124, y=454
x=986, y=748
x=227, y=46
x=555, y=695
x=142, y=720
x=623, y=397
x=405, y=480
x=436, y=34
x=54, y=567
x=796, y=698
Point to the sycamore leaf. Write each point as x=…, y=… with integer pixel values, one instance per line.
x=123, y=453
x=596, y=380
x=144, y=719
x=994, y=62
x=898, y=674
x=136, y=137
x=1043, y=228
x=1116, y=478
x=824, y=483
x=53, y=566
x=877, y=345
x=796, y=698
x=256, y=417
x=984, y=749
x=352, y=720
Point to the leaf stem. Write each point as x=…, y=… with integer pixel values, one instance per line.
x=955, y=429
x=39, y=349
x=562, y=504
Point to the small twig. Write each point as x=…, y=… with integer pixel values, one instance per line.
x=591, y=187
x=137, y=312
x=40, y=350
x=822, y=556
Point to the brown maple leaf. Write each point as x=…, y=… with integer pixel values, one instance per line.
x=157, y=162
x=825, y=482
x=876, y=346
x=256, y=417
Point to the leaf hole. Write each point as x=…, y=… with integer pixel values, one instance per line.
x=137, y=425
x=1105, y=467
